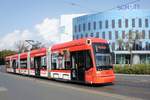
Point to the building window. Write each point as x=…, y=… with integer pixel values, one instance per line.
x=119, y=23
x=113, y=46
x=91, y=34
x=79, y=28
x=84, y=27
x=81, y=35
x=126, y=45
x=137, y=36
x=116, y=34
x=89, y=26
x=123, y=34
x=94, y=25
x=77, y=36
x=126, y=23
x=130, y=34
x=103, y=35
x=97, y=34
x=113, y=23
x=143, y=34
x=110, y=35
x=146, y=23
x=106, y=24
x=147, y=46
x=86, y=35
x=75, y=27
x=100, y=24
x=133, y=22
x=136, y=31
x=140, y=22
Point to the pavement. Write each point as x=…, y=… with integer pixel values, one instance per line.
x=126, y=87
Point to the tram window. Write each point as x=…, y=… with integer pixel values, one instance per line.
x=67, y=63
x=7, y=64
x=37, y=62
x=60, y=60
x=88, y=60
x=54, y=65
x=43, y=62
x=82, y=59
x=15, y=64
x=23, y=63
x=54, y=60
x=32, y=63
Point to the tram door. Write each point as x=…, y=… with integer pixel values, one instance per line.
x=14, y=65
x=37, y=63
x=78, y=68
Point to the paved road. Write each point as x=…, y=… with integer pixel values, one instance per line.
x=2, y=68
x=16, y=87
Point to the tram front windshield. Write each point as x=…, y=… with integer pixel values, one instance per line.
x=102, y=56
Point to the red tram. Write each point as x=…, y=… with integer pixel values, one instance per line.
x=85, y=60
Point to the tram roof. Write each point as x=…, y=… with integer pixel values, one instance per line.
x=78, y=42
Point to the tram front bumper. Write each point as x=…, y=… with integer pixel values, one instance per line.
x=103, y=79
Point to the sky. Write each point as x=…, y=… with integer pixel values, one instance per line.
x=38, y=19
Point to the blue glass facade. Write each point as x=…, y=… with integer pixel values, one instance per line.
x=117, y=25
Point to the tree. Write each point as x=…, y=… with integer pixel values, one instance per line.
x=34, y=44
x=5, y=53
x=133, y=38
x=132, y=43
x=121, y=44
x=21, y=46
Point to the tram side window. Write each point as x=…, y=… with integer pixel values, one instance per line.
x=43, y=62
x=67, y=59
x=37, y=62
x=61, y=60
x=23, y=63
x=88, y=60
x=8, y=64
x=54, y=60
x=67, y=64
x=82, y=59
x=15, y=64
x=32, y=63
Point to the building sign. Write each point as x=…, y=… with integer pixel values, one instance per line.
x=130, y=6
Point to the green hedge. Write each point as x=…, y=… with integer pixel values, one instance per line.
x=135, y=69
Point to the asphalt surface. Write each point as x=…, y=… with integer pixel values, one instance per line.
x=126, y=87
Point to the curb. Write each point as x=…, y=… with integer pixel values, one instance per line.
x=140, y=75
